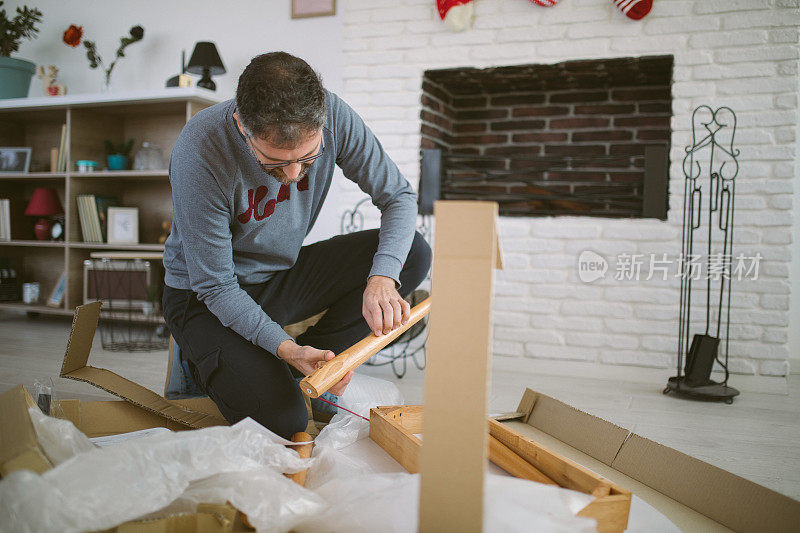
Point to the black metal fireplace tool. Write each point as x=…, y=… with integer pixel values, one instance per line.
x=708, y=209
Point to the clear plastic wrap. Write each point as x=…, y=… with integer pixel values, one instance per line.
x=102, y=488
x=59, y=439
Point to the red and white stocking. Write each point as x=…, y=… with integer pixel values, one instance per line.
x=634, y=9
x=545, y=3
x=456, y=14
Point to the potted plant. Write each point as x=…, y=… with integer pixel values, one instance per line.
x=118, y=155
x=15, y=74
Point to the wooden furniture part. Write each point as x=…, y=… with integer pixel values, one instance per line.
x=395, y=429
x=304, y=451
x=154, y=116
x=453, y=458
x=330, y=373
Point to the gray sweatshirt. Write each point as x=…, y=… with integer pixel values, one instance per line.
x=234, y=224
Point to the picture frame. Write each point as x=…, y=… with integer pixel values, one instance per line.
x=57, y=295
x=313, y=8
x=15, y=159
x=123, y=225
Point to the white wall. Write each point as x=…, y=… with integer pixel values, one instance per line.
x=741, y=53
x=241, y=30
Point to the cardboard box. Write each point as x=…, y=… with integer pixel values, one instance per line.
x=693, y=494
x=142, y=409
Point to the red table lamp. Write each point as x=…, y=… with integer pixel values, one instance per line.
x=45, y=203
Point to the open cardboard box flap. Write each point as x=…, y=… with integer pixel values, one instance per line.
x=196, y=413
x=20, y=449
x=693, y=494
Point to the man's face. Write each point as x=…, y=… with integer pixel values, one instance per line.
x=269, y=154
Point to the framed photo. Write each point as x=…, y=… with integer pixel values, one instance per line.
x=14, y=159
x=123, y=225
x=57, y=296
x=302, y=9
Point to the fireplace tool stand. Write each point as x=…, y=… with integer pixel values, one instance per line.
x=708, y=209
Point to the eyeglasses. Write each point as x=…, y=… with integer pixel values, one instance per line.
x=303, y=160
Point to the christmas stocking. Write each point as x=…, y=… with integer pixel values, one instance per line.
x=456, y=14
x=634, y=9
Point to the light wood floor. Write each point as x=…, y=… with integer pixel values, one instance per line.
x=758, y=437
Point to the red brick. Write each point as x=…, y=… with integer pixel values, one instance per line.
x=626, y=177
x=518, y=99
x=438, y=120
x=465, y=150
x=436, y=92
x=654, y=122
x=545, y=111
x=653, y=135
x=482, y=163
x=626, y=149
x=575, y=123
x=469, y=101
x=428, y=143
x=584, y=150
x=480, y=139
x=482, y=114
x=513, y=150
x=517, y=125
x=655, y=107
x=575, y=175
x=543, y=137
x=606, y=135
x=605, y=109
x=620, y=163
x=579, y=97
x=643, y=93
x=469, y=127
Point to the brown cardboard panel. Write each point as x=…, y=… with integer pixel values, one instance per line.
x=200, y=405
x=19, y=446
x=453, y=457
x=590, y=434
x=98, y=419
x=84, y=325
x=210, y=518
x=682, y=516
x=79, y=345
x=727, y=498
x=142, y=397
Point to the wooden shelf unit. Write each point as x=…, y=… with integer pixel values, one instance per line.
x=154, y=116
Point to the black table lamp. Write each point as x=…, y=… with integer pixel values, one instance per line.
x=205, y=60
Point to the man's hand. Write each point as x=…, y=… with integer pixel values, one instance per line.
x=306, y=359
x=384, y=309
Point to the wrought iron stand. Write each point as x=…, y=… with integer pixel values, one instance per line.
x=708, y=209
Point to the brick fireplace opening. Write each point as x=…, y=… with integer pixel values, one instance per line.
x=587, y=138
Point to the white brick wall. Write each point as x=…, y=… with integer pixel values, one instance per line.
x=740, y=53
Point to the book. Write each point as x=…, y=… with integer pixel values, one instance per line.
x=87, y=212
x=5, y=219
x=103, y=203
x=62, y=150
x=57, y=296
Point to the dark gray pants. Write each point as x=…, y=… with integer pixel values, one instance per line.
x=244, y=379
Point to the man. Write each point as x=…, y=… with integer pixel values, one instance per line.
x=249, y=177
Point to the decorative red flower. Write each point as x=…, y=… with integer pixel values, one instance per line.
x=73, y=35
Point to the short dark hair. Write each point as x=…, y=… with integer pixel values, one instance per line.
x=280, y=98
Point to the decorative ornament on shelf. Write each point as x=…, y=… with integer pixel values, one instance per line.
x=73, y=35
x=118, y=155
x=48, y=78
x=182, y=79
x=44, y=204
x=456, y=14
x=634, y=9
x=15, y=74
x=205, y=60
